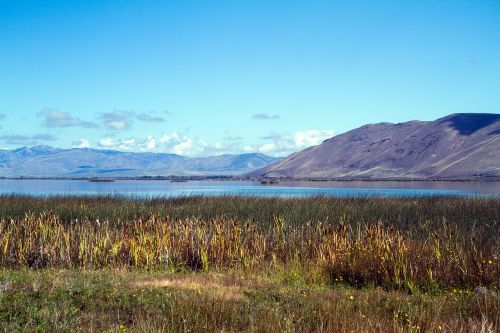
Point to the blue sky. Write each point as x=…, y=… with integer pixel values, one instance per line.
x=211, y=77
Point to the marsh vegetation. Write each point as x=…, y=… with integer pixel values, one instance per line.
x=250, y=264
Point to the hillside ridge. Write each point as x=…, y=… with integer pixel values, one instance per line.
x=460, y=145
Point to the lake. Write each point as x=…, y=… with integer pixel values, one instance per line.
x=156, y=188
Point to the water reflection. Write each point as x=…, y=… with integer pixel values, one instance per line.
x=151, y=188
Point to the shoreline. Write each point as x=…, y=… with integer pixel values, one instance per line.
x=258, y=179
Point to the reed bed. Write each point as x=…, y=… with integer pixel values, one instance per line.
x=435, y=254
x=403, y=213
x=246, y=264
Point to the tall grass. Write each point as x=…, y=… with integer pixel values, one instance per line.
x=400, y=212
x=412, y=243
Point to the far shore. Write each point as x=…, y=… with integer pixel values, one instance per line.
x=259, y=179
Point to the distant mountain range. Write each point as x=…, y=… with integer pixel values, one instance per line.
x=457, y=146
x=44, y=161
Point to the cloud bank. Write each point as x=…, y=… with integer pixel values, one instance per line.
x=26, y=140
x=284, y=144
x=280, y=144
x=265, y=116
x=121, y=120
x=54, y=118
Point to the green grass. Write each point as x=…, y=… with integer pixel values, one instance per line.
x=52, y=300
x=236, y=264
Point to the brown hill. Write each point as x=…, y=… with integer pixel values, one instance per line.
x=456, y=146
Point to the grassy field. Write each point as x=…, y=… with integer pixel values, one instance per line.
x=227, y=264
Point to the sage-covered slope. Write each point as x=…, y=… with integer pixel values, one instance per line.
x=456, y=146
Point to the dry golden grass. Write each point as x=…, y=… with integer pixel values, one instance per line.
x=249, y=265
x=366, y=254
x=215, y=286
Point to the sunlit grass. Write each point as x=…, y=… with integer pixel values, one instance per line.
x=133, y=301
x=250, y=264
x=436, y=253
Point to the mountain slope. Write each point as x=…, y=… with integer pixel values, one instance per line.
x=42, y=161
x=456, y=146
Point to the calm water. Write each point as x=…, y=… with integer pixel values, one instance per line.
x=154, y=188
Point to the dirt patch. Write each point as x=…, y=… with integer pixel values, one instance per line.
x=227, y=289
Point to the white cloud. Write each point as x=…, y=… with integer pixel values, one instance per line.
x=284, y=144
x=120, y=120
x=265, y=116
x=84, y=143
x=303, y=139
x=249, y=148
x=169, y=138
x=150, y=117
x=55, y=118
x=184, y=148
x=129, y=144
x=150, y=143
x=183, y=144
x=268, y=148
x=106, y=142
x=118, y=124
x=180, y=144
